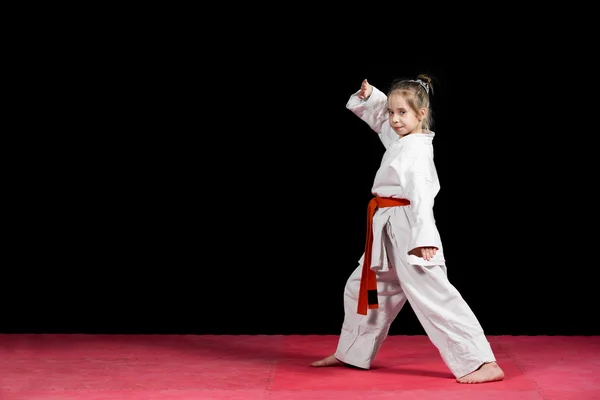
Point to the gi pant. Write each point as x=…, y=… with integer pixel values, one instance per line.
x=448, y=321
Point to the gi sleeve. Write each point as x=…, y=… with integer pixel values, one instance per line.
x=421, y=193
x=374, y=111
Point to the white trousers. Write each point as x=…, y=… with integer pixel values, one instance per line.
x=448, y=321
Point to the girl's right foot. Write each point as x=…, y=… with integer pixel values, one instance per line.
x=329, y=361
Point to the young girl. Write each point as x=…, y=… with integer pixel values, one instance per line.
x=404, y=258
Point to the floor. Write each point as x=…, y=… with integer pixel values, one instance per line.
x=262, y=367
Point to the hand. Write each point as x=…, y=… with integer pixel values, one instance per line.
x=365, y=90
x=426, y=253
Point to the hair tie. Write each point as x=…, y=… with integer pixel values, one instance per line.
x=420, y=82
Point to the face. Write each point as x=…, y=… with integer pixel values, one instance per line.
x=403, y=119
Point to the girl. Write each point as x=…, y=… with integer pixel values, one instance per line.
x=404, y=258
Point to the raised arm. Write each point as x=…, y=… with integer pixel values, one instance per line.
x=370, y=105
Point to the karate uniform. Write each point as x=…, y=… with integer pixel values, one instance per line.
x=407, y=171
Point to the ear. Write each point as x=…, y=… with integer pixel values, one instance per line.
x=422, y=114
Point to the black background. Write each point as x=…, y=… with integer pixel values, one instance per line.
x=158, y=192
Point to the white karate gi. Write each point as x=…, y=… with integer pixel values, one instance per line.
x=408, y=171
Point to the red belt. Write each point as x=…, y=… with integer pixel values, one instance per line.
x=367, y=295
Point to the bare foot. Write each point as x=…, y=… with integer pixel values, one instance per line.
x=329, y=361
x=488, y=372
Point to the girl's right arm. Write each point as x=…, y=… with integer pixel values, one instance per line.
x=370, y=105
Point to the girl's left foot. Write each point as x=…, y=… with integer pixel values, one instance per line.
x=488, y=372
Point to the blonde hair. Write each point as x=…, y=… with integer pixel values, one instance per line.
x=416, y=93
